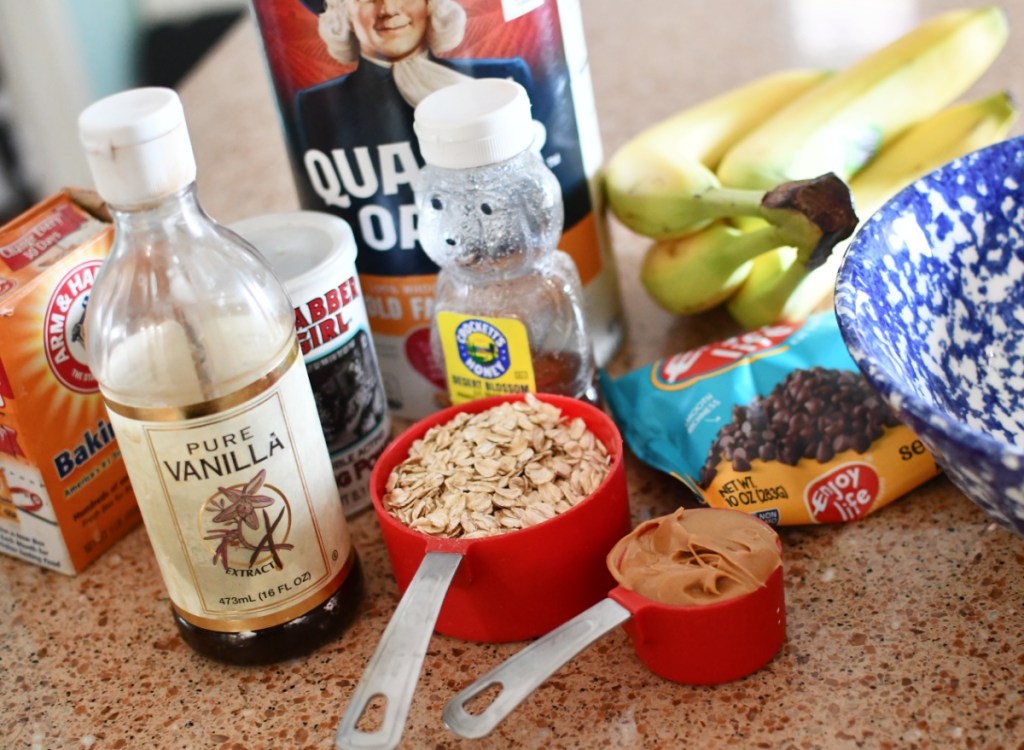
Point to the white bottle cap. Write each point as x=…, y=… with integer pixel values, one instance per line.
x=305, y=248
x=471, y=124
x=137, y=146
x=312, y=253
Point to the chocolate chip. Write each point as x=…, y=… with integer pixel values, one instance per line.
x=812, y=414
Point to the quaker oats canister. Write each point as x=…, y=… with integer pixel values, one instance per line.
x=314, y=255
x=347, y=75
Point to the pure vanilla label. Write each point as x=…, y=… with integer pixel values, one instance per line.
x=240, y=505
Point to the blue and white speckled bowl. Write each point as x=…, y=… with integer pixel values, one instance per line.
x=930, y=301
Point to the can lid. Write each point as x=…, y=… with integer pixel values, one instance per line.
x=303, y=248
x=474, y=123
x=137, y=145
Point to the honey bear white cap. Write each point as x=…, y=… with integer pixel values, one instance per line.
x=474, y=123
x=137, y=145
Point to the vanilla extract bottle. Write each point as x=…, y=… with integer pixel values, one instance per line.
x=192, y=340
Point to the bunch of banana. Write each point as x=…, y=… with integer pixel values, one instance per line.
x=701, y=269
x=655, y=182
x=780, y=288
x=762, y=282
x=845, y=121
x=662, y=184
x=691, y=180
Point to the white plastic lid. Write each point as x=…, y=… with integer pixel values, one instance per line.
x=471, y=124
x=137, y=145
x=308, y=250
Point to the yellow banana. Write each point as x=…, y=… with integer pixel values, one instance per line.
x=780, y=288
x=698, y=271
x=707, y=130
x=956, y=131
x=661, y=183
x=838, y=126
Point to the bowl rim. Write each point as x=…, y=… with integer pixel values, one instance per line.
x=845, y=307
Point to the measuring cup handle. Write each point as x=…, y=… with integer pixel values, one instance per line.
x=394, y=668
x=522, y=673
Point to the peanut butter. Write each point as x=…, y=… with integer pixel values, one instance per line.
x=696, y=557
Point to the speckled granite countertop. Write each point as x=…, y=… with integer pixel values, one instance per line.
x=904, y=628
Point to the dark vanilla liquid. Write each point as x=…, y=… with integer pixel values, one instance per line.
x=291, y=639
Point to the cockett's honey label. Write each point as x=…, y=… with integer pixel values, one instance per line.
x=485, y=356
x=240, y=502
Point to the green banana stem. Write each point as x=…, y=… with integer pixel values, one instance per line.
x=723, y=203
x=810, y=215
x=748, y=245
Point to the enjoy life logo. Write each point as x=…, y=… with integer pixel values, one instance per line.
x=844, y=494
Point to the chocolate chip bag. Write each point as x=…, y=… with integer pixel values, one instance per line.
x=778, y=422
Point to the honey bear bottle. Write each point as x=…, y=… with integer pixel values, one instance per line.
x=508, y=312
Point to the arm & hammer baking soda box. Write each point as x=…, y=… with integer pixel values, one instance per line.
x=64, y=492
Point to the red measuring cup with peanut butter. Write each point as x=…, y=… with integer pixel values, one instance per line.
x=700, y=595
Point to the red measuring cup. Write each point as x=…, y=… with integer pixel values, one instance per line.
x=508, y=587
x=692, y=644
x=521, y=584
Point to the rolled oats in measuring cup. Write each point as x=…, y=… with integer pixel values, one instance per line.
x=314, y=254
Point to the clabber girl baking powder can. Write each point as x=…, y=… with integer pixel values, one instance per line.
x=347, y=75
x=314, y=254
